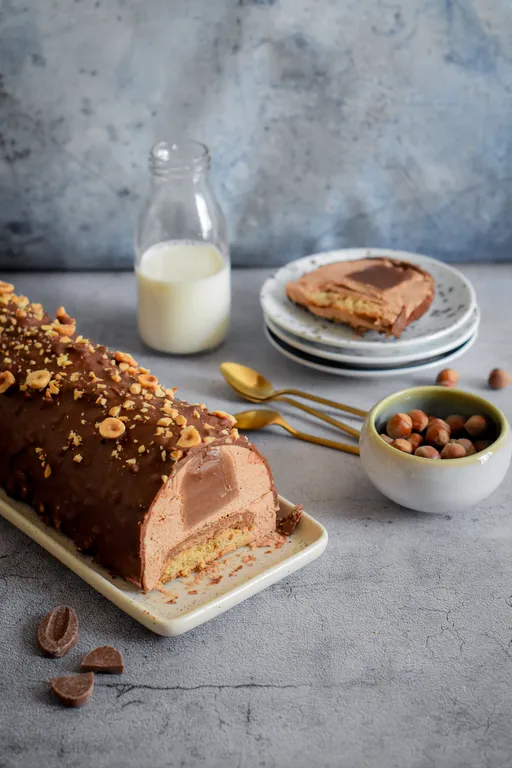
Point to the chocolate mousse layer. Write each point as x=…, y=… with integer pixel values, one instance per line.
x=151, y=486
x=378, y=294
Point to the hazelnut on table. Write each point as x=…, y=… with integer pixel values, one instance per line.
x=499, y=378
x=447, y=378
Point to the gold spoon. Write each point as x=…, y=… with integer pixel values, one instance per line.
x=250, y=383
x=249, y=420
x=318, y=414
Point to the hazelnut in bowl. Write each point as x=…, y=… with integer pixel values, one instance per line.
x=435, y=449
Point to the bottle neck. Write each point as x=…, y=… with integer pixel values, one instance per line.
x=185, y=161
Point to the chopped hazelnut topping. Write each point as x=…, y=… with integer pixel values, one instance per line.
x=176, y=455
x=38, y=379
x=112, y=428
x=63, y=317
x=6, y=287
x=78, y=458
x=77, y=394
x=225, y=416
x=6, y=381
x=53, y=388
x=135, y=389
x=208, y=427
x=47, y=471
x=164, y=455
x=189, y=438
x=148, y=381
x=124, y=357
x=180, y=420
x=131, y=461
x=74, y=376
x=196, y=414
x=209, y=439
x=159, y=392
x=20, y=314
x=141, y=448
x=128, y=405
x=169, y=393
x=165, y=422
x=165, y=478
x=115, y=377
x=144, y=370
x=115, y=411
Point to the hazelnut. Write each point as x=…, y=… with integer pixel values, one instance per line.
x=387, y=439
x=6, y=287
x=63, y=317
x=467, y=444
x=456, y=423
x=38, y=379
x=399, y=425
x=65, y=330
x=135, y=389
x=419, y=420
x=499, y=378
x=415, y=440
x=223, y=416
x=433, y=421
x=476, y=425
x=6, y=381
x=453, y=451
x=189, y=437
x=124, y=357
x=437, y=435
x=427, y=452
x=148, y=381
x=112, y=428
x=447, y=378
x=402, y=445
x=482, y=445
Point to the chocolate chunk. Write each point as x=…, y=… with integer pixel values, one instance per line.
x=287, y=521
x=57, y=633
x=74, y=690
x=103, y=659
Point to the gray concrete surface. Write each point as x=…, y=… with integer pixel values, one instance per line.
x=332, y=124
x=393, y=650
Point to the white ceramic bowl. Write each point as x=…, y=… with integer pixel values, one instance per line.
x=434, y=485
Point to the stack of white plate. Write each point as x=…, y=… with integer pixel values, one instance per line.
x=446, y=331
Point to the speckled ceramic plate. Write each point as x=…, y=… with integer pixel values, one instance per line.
x=419, y=353
x=452, y=306
x=341, y=369
x=183, y=604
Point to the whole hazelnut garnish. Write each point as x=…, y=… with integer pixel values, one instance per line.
x=437, y=435
x=387, y=439
x=399, y=425
x=427, y=452
x=402, y=445
x=476, y=425
x=112, y=428
x=6, y=381
x=467, y=444
x=499, y=378
x=447, y=378
x=419, y=420
x=482, y=445
x=456, y=423
x=453, y=451
x=415, y=440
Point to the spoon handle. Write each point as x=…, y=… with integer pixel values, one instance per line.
x=319, y=415
x=323, y=401
x=319, y=440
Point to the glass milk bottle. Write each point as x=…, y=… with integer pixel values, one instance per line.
x=182, y=254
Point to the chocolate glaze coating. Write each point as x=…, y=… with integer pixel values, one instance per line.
x=52, y=456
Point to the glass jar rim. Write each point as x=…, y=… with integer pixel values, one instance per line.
x=185, y=157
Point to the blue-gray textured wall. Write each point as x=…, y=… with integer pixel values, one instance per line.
x=332, y=123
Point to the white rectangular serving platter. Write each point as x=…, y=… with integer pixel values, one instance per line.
x=241, y=576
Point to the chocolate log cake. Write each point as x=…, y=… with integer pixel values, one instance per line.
x=379, y=294
x=151, y=486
